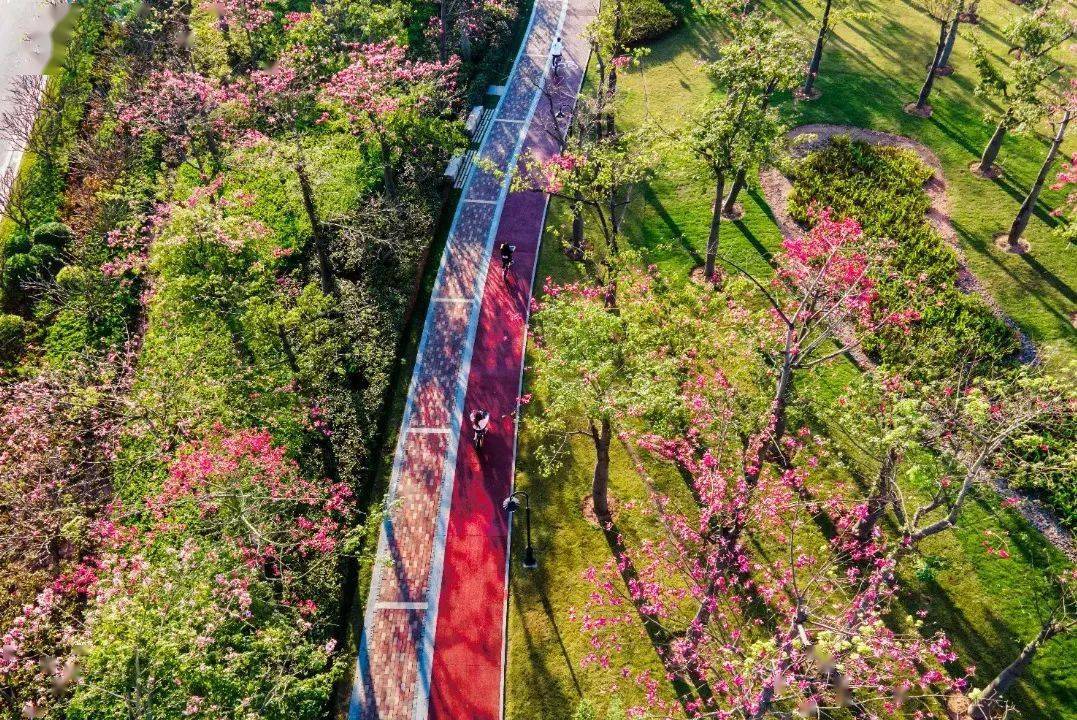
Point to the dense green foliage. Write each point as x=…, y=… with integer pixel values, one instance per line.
x=1044, y=465
x=219, y=239
x=646, y=20
x=883, y=189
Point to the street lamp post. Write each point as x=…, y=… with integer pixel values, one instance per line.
x=511, y=504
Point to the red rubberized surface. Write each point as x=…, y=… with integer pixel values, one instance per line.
x=468, y=644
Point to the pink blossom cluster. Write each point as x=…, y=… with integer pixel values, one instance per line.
x=381, y=80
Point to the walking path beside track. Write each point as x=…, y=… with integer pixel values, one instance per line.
x=433, y=640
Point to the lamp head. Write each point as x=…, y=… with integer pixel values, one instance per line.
x=511, y=504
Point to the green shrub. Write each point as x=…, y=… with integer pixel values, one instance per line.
x=16, y=243
x=18, y=271
x=646, y=20
x=12, y=339
x=1043, y=463
x=883, y=189
x=208, y=46
x=54, y=234
x=48, y=259
x=72, y=279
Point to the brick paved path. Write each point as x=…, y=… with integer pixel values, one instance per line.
x=433, y=632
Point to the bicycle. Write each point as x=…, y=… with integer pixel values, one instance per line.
x=480, y=424
x=507, y=252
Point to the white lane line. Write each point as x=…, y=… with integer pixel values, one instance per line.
x=429, y=430
x=400, y=606
x=453, y=300
x=480, y=201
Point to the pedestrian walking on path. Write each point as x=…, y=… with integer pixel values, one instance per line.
x=557, y=50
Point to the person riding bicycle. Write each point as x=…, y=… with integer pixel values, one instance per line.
x=506, y=257
x=480, y=423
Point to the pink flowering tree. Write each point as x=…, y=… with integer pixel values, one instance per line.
x=821, y=304
x=285, y=98
x=230, y=564
x=59, y=434
x=747, y=634
x=384, y=93
x=597, y=176
x=467, y=25
x=241, y=488
x=243, y=24
x=189, y=114
x=1067, y=211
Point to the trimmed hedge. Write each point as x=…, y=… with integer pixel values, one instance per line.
x=882, y=188
x=645, y=20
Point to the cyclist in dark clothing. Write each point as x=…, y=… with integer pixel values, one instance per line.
x=480, y=423
x=506, y=258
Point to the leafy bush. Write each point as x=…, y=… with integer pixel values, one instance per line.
x=1043, y=463
x=54, y=234
x=882, y=188
x=12, y=339
x=19, y=270
x=646, y=20
x=16, y=243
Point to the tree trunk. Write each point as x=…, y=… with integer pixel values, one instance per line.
x=601, y=481
x=880, y=498
x=817, y=56
x=987, y=160
x=388, y=171
x=925, y=91
x=1020, y=223
x=951, y=39
x=782, y=390
x=738, y=184
x=1009, y=675
x=321, y=248
x=576, y=245
x=716, y=224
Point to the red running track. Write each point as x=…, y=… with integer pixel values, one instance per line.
x=469, y=643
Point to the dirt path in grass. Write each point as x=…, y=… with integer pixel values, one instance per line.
x=777, y=188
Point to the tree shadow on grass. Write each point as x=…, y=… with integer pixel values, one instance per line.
x=970, y=643
x=979, y=245
x=651, y=198
x=537, y=672
x=659, y=637
x=1053, y=280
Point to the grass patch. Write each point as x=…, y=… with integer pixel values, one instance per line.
x=871, y=68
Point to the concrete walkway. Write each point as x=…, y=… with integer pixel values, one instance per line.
x=433, y=642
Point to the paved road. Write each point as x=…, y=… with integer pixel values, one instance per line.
x=25, y=48
x=433, y=639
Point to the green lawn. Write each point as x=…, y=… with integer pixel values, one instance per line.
x=869, y=71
